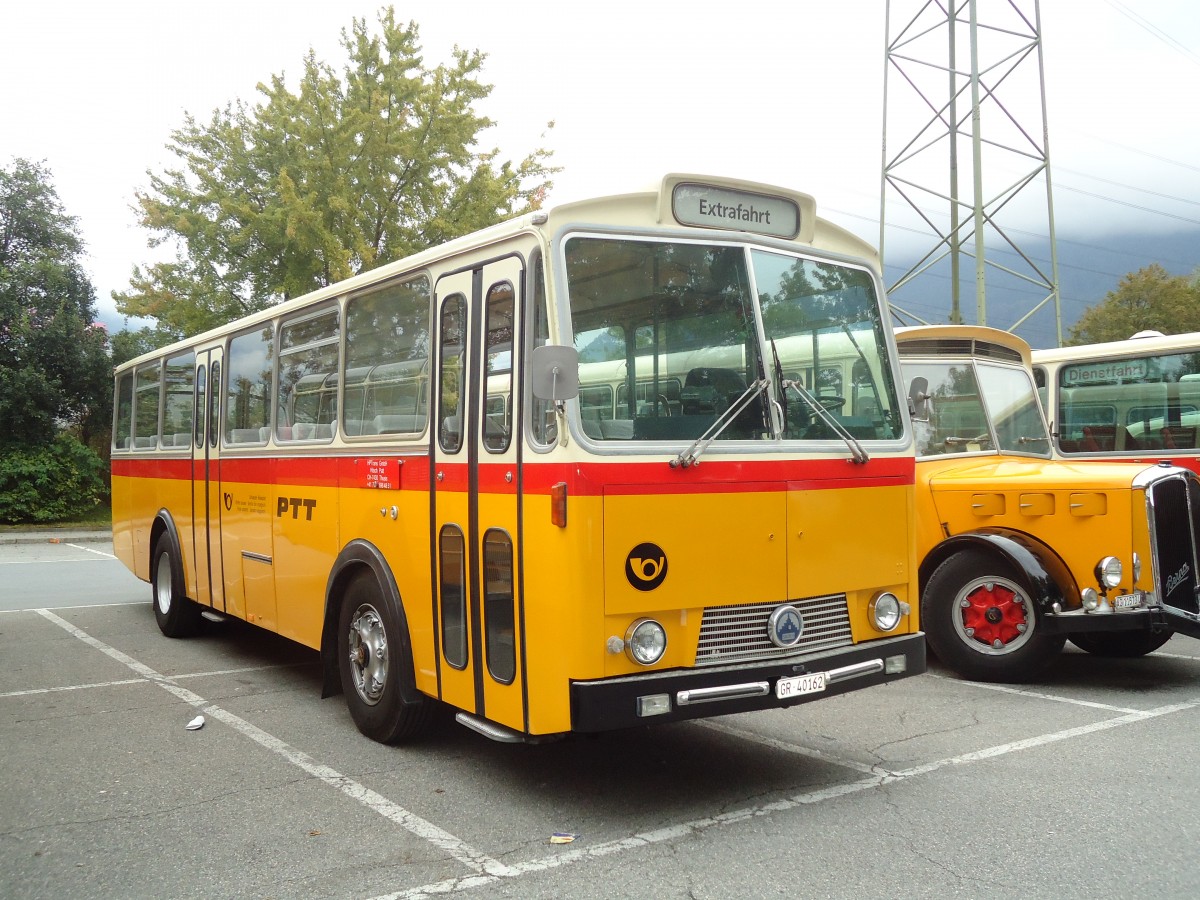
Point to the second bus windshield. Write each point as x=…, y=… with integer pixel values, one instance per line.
x=671, y=334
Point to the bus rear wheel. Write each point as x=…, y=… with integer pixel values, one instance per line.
x=980, y=620
x=177, y=616
x=1121, y=644
x=373, y=657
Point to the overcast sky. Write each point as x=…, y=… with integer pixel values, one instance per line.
x=781, y=92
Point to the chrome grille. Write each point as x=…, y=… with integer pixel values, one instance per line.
x=739, y=633
x=1174, y=509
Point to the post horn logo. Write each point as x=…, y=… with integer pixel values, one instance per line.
x=646, y=566
x=228, y=501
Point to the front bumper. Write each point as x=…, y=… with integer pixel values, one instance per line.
x=611, y=703
x=1147, y=619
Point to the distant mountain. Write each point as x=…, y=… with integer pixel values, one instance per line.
x=1088, y=268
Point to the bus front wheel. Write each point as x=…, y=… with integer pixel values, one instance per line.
x=372, y=658
x=177, y=616
x=980, y=620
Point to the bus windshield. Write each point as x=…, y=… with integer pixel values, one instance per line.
x=977, y=407
x=672, y=336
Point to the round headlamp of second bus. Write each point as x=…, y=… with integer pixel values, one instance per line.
x=1109, y=572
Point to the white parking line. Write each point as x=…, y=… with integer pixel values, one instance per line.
x=100, y=557
x=90, y=550
x=696, y=826
x=1025, y=692
x=485, y=870
x=180, y=677
x=457, y=849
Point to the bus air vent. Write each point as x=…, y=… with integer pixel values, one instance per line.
x=739, y=633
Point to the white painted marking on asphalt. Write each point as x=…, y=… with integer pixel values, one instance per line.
x=56, y=561
x=470, y=857
x=71, y=687
x=1037, y=695
x=808, y=798
x=179, y=677
x=486, y=870
x=90, y=550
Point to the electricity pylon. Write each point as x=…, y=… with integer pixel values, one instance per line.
x=946, y=123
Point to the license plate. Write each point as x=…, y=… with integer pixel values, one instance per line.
x=798, y=685
x=1126, y=601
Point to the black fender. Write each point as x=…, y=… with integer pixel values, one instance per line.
x=1048, y=578
x=164, y=521
x=356, y=557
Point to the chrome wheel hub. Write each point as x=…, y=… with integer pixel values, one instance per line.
x=368, y=654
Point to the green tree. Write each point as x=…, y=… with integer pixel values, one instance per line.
x=304, y=189
x=1148, y=299
x=54, y=365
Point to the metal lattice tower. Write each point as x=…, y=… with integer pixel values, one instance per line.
x=946, y=124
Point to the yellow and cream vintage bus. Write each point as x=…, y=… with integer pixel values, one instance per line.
x=583, y=470
x=1136, y=399
x=1019, y=549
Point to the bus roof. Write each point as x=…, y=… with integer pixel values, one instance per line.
x=680, y=200
x=1137, y=346
x=962, y=340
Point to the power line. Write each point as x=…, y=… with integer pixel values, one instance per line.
x=1154, y=31
x=1130, y=187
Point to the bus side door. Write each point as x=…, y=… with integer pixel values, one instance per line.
x=206, y=480
x=475, y=488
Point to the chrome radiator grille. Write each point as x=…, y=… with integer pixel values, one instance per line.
x=1174, y=510
x=731, y=634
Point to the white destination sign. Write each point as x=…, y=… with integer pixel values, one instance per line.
x=712, y=207
x=1105, y=372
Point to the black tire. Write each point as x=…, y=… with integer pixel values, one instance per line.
x=981, y=622
x=373, y=655
x=177, y=616
x=1121, y=644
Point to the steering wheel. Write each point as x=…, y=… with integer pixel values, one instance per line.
x=831, y=402
x=664, y=403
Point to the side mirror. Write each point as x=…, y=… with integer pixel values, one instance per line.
x=918, y=398
x=554, y=372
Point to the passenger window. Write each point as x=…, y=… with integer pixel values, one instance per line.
x=387, y=360
x=214, y=405
x=452, y=584
x=145, y=407
x=306, y=405
x=248, y=387
x=498, y=377
x=201, y=404
x=498, y=607
x=123, y=419
x=450, y=400
x=178, y=401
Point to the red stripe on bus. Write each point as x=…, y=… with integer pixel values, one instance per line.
x=585, y=479
x=153, y=467
x=718, y=476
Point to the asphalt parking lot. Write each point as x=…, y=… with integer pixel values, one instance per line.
x=1082, y=785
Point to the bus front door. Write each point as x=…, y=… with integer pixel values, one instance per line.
x=475, y=488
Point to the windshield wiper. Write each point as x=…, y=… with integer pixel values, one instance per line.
x=691, y=456
x=856, y=449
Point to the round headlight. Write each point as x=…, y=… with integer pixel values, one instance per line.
x=885, y=611
x=645, y=642
x=1109, y=571
x=1091, y=600
x=1137, y=568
